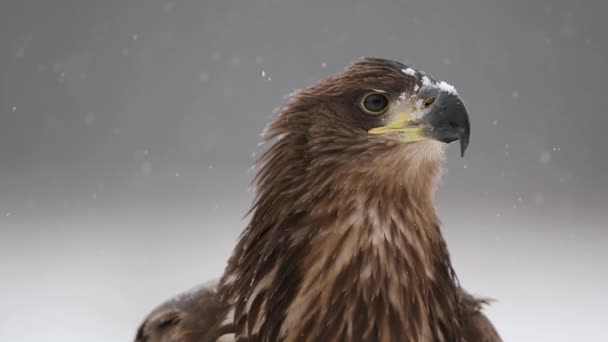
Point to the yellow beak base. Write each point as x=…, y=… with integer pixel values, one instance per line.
x=401, y=123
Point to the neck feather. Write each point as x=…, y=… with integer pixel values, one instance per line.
x=345, y=249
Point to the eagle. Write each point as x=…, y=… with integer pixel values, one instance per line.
x=344, y=242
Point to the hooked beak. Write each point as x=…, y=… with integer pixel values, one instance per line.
x=447, y=120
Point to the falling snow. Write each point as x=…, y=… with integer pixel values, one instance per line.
x=58, y=83
x=168, y=6
x=89, y=119
x=545, y=158
x=216, y=56
x=146, y=168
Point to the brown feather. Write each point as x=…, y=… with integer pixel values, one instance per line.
x=344, y=242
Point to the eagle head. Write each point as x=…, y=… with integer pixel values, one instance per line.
x=371, y=107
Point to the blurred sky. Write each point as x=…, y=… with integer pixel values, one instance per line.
x=127, y=129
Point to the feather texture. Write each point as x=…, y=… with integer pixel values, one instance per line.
x=343, y=243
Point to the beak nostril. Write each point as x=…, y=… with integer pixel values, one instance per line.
x=428, y=102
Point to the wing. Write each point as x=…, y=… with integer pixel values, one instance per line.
x=192, y=316
x=477, y=327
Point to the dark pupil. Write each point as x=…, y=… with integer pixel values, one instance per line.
x=375, y=103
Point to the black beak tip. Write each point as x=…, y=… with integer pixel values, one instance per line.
x=464, y=137
x=464, y=143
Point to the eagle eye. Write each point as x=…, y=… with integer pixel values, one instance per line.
x=428, y=102
x=374, y=103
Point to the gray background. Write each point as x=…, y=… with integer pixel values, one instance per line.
x=128, y=127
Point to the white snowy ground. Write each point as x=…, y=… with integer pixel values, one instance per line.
x=93, y=278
